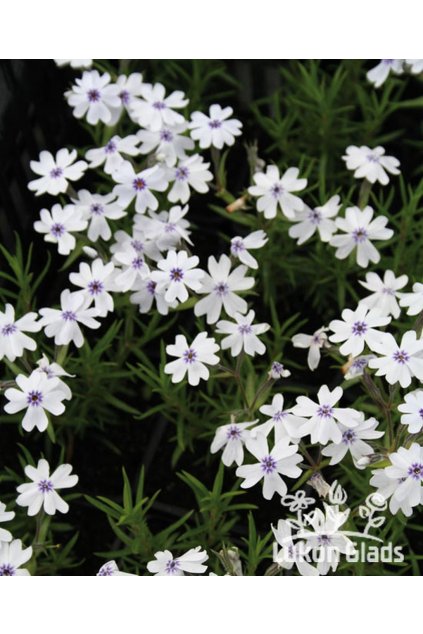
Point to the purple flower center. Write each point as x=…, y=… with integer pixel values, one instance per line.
x=237, y=246
x=172, y=566
x=93, y=95
x=176, y=274
x=137, y=245
x=277, y=368
x=348, y=437
x=7, y=570
x=169, y=227
x=214, y=124
x=359, y=235
x=181, y=173
x=421, y=412
x=276, y=190
x=315, y=216
x=68, y=315
x=325, y=411
x=45, y=486
x=8, y=329
x=95, y=287
x=139, y=184
x=57, y=230
x=166, y=135
x=388, y=291
x=189, y=355
x=151, y=287
x=34, y=398
x=359, y=363
x=359, y=328
x=416, y=471
x=221, y=289
x=388, y=62
x=268, y=464
x=324, y=540
x=56, y=172
x=159, y=105
x=401, y=356
x=105, y=571
x=278, y=416
x=245, y=329
x=125, y=97
x=233, y=433
x=111, y=147
x=137, y=263
x=97, y=209
x=372, y=158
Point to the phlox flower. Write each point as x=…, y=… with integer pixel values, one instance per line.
x=58, y=224
x=371, y=164
x=63, y=323
x=357, y=329
x=379, y=73
x=242, y=334
x=129, y=89
x=93, y=96
x=13, y=340
x=274, y=190
x=154, y=110
x=5, y=516
x=110, y=569
x=314, y=343
x=277, y=419
x=146, y=293
x=177, y=273
x=278, y=371
x=240, y=247
x=55, y=172
x=292, y=553
x=355, y=367
x=95, y=281
x=190, y=173
x=308, y=221
x=412, y=411
x=413, y=301
x=166, y=564
x=231, y=438
x=385, y=292
x=168, y=143
x=215, y=129
x=192, y=358
x=96, y=209
x=353, y=441
x=12, y=557
x=399, y=362
x=111, y=154
x=139, y=186
x=168, y=229
x=54, y=370
x=42, y=491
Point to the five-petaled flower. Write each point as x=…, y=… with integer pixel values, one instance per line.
x=192, y=358
x=42, y=491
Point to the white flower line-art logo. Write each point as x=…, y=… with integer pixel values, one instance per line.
x=321, y=531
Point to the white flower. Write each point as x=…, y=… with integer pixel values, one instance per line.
x=326, y=542
x=56, y=172
x=371, y=164
x=129, y=89
x=166, y=564
x=37, y=394
x=241, y=246
x=278, y=371
x=168, y=143
x=58, y=224
x=155, y=110
x=215, y=129
x=221, y=287
x=314, y=343
x=110, y=569
x=355, y=367
x=353, y=441
x=291, y=553
x=168, y=228
x=192, y=358
x=146, y=293
x=379, y=73
x=309, y=220
x=399, y=363
x=12, y=557
x=139, y=186
x=322, y=425
x=75, y=63
x=190, y=172
x=6, y=516
x=96, y=208
x=177, y=273
x=63, y=323
x=412, y=410
x=242, y=335
x=134, y=268
x=359, y=230
x=283, y=459
x=137, y=240
x=413, y=301
x=111, y=153
x=278, y=419
x=233, y=438
x=402, y=480
x=357, y=328
x=94, y=96
x=42, y=491
x=13, y=340
x=385, y=292
x=96, y=280
x=54, y=370
x=416, y=66
x=273, y=190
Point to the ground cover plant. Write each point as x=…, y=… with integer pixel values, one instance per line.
x=211, y=338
